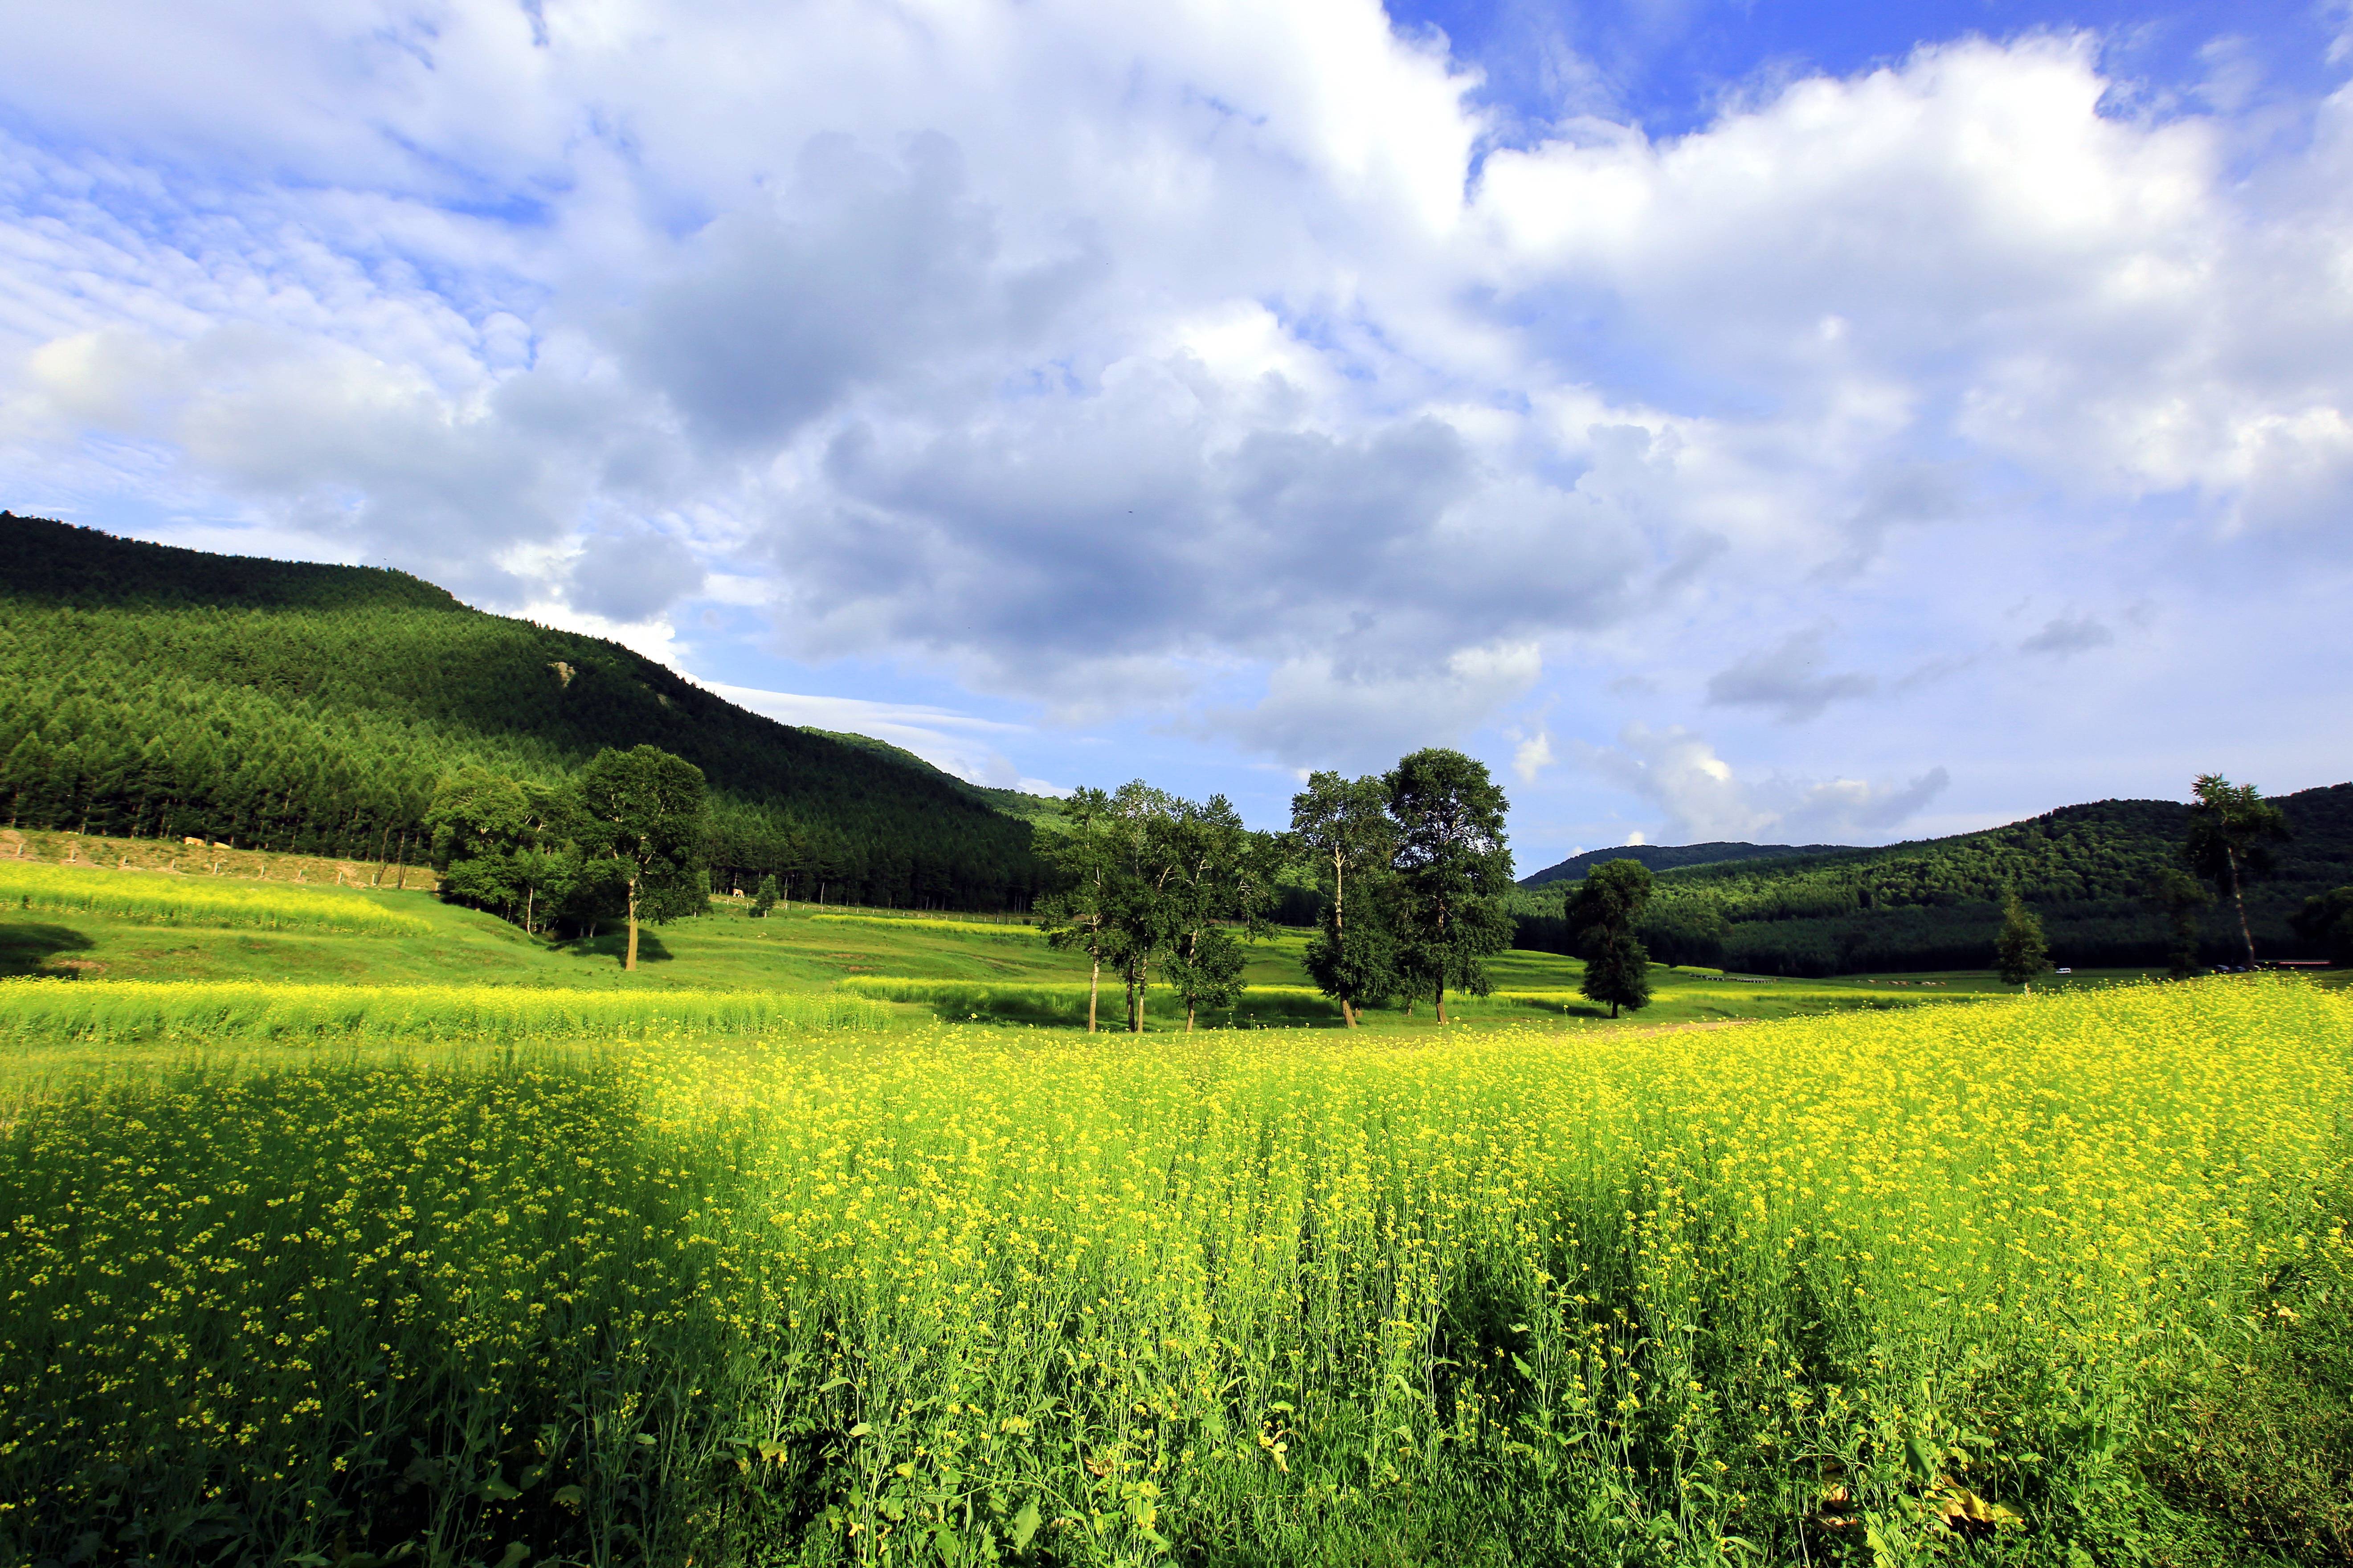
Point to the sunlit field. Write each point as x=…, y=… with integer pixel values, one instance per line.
x=34, y=1011
x=163, y=899
x=2057, y=1280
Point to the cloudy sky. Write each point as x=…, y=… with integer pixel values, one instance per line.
x=1800, y=422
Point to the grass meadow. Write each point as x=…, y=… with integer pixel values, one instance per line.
x=2053, y=1279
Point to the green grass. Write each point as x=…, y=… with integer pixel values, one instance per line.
x=152, y=898
x=2045, y=1280
x=1010, y=927
x=952, y=968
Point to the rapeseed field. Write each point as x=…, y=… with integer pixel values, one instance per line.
x=2061, y=1280
x=52, y=1011
x=164, y=899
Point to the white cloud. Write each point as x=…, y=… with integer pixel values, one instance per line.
x=1702, y=800
x=1532, y=756
x=954, y=742
x=1123, y=360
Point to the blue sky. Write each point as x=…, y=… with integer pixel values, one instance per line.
x=1791, y=423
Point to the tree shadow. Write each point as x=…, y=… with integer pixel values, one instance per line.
x=615, y=946
x=32, y=948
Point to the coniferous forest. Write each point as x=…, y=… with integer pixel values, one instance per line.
x=161, y=693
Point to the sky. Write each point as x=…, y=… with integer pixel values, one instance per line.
x=1795, y=423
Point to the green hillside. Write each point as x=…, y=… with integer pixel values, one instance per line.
x=154, y=691
x=1670, y=857
x=1936, y=904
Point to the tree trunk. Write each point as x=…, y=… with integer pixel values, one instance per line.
x=1189, y=1017
x=1347, y=1013
x=1613, y=1009
x=1442, y=1002
x=2238, y=897
x=631, y=963
x=1094, y=986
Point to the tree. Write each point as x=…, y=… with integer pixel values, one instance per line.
x=646, y=808
x=764, y=897
x=2327, y=919
x=2177, y=898
x=1224, y=881
x=1343, y=826
x=2020, y=952
x=1453, y=871
x=1081, y=871
x=1142, y=915
x=2232, y=830
x=1602, y=913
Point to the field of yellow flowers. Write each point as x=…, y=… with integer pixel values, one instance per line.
x=2063, y=1280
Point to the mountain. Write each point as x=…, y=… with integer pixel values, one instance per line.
x=152, y=691
x=1936, y=903
x=1670, y=857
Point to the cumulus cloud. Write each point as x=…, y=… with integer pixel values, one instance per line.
x=1531, y=756
x=1679, y=773
x=1220, y=367
x=633, y=574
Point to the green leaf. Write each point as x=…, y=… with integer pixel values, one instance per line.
x=496, y=1490
x=1524, y=1369
x=1025, y=1525
x=860, y=1431
x=1923, y=1458
x=829, y=1387
x=517, y=1555
x=571, y=1496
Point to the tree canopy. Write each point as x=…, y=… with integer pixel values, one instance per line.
x=1453, y=871
x=1604, y=913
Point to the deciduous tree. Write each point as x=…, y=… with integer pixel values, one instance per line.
x=2327, y=918
x=1223, y=884
x=1454, y=869
x=1603, y=912
x=2177, y=898
x=2020, y=952
x=646, y=808
x=1342, y=827
x=1083, y=869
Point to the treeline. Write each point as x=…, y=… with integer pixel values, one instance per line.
x=1415, y=888
x=2090, y=874
x=316, y=710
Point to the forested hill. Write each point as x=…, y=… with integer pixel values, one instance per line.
x=160, y=691
x=1936, y=903
x=1670, y=857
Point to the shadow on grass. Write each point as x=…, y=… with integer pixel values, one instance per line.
x=617, y=947
x=33, y=947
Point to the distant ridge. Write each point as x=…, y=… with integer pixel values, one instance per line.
x=1668, y=856
x=1936, y=903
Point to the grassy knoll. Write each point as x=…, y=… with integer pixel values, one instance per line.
x=2051, y=1280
